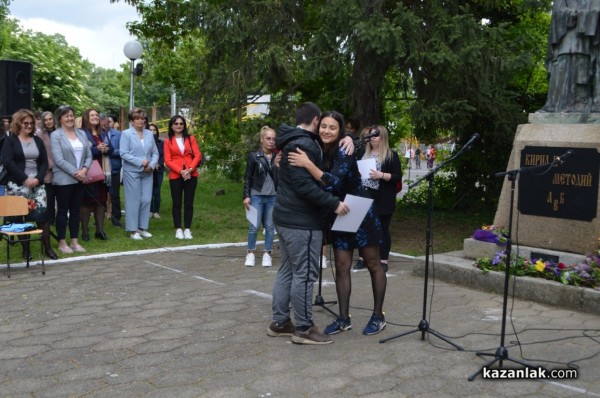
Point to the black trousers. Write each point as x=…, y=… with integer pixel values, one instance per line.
x=185, y=189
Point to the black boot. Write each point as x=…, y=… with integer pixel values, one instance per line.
x=45, y=227
x=26, y=253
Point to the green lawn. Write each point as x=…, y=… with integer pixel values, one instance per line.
x=221, y=219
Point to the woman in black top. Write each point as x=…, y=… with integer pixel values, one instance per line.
x=24, y=156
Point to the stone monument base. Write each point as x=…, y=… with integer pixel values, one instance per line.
x=560, y=234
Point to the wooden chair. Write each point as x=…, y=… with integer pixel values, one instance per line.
x=17, y=206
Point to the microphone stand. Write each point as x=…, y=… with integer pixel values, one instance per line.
x=501, y=353
x=423, y=326
x=319, y=298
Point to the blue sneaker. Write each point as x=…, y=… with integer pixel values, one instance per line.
x=339, y=325
x=376, y=324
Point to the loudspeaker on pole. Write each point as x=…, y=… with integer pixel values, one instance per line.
x=16, y=81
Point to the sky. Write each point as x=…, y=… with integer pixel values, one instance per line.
x=95, y=27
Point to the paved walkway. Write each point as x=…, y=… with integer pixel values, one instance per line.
x=192, y=322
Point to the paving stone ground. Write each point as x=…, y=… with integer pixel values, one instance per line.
x=192, y=323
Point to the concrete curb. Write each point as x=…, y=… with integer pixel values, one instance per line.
x=453, y=267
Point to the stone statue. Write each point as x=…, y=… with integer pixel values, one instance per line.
x=573, y=57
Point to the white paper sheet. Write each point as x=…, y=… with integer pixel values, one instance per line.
x=358, y=210
x=252, y=216
x=365, y=166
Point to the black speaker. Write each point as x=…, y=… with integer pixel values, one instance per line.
x=16, y=90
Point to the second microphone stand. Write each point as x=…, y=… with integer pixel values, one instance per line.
x=501, y=354
x=423, y=326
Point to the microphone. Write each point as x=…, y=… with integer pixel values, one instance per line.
x=564, y=157
x=372, y=134
x=472, y=140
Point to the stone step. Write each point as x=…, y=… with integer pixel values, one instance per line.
x=454, y=267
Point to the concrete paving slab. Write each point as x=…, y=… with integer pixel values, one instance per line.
x=192, y=322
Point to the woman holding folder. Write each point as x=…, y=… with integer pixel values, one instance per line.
x=340, y=176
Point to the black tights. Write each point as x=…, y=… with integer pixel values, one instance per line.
x=85, y=214
x=343, y=282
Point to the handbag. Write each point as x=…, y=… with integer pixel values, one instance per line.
x=95, y=173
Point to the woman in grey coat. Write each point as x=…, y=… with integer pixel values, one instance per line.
x=72, y=160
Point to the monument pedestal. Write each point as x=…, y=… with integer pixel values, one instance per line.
x=546, y=230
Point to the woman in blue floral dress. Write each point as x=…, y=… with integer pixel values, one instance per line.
x=340, y=176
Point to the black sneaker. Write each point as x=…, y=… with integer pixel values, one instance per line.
x=311, y=336
x=281, y=329
x=360, y=264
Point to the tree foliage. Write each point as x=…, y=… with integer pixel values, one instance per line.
x=450, y=68
x=59, y=71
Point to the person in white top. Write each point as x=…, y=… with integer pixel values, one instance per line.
x=72, y=159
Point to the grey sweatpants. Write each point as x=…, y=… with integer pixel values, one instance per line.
x=299, y=270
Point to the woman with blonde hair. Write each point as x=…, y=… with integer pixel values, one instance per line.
x=260, y=185
x=381, y=185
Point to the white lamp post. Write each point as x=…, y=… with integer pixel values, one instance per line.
x=132, y=50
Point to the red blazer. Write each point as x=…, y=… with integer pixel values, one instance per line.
x=176, y=161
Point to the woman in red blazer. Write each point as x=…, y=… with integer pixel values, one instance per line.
x=182, y=157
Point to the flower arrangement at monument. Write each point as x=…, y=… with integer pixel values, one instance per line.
x=492, y=234
x=585, y=273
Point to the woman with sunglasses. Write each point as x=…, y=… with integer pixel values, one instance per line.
x=260, y=183
x=25, y=158
x=381, y=186
x=182, y=157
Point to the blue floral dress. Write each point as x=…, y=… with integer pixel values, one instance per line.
x=344, y=178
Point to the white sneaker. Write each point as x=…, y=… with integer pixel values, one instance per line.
x=250, y=260
x=325, y=262
x=267, y=261
x=136, y=236
x=145, y=234
x=187, y=234
x=156, y=215
x=178, y=234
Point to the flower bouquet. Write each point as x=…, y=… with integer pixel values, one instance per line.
x=491, y=234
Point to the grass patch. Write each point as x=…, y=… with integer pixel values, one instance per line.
x=221, y=219
x=449, y=229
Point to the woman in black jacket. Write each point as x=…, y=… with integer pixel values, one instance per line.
x=260, y=184
x=24, y=156
x=382, y=186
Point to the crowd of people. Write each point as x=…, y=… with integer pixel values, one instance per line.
x=72, y=169
x=297, y=174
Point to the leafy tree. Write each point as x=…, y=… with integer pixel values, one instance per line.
x=108, y=89
x=453, y=67
x=59, y=71
x=4, y=25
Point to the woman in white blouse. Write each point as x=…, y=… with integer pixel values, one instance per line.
x=72, y=159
